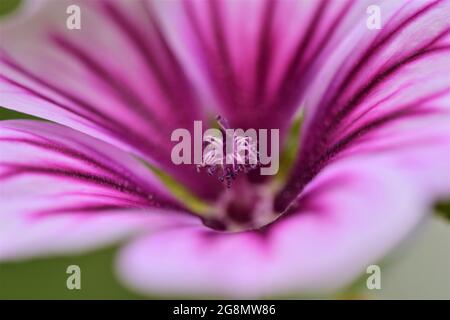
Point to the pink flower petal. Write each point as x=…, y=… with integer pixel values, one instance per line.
x=178, y=61
x=63, y=190
x=25, y=236
x=351, y=215
x=390, y=88
x=255, y=56
x=81, y=79
x=374, y=160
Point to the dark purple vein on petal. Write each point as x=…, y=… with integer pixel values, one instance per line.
x=331, y=31
x=417, y=109
x=74, y=154
x=212, y=70
x=227, y=71
x=383, y=75
x=118, y=87
x=49, y=99
x=292, y=83
x=138, y=40
x=309, y=171
x=106, y=163
x=173, y=89
x=94, y=115
x=264, y=52
x=308, y=167
x=379, y=43
x=14, y=170
x=326, y=120
x=186, y=96
x=137, y=202
x=86, y=209
x=123, y=134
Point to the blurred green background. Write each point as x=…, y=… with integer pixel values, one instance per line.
x=420, y=269
x=8, y=6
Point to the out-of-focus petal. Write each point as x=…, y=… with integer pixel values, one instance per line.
x=254, y=56
x=178, y=61
x=116, y=78
x=390, y=89
x=73, y=232
x=61, y=189
x=350, y=215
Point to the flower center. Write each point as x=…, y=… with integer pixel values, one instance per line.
x=229, y=154
x=246, y=206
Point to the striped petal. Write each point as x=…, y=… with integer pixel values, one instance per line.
x=255, y=56
x=178, y=61
x=374, y=159
x=388, y=95
x=62, y=190
x=133, y=97
x=349, y=217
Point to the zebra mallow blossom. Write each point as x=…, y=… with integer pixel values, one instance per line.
x=369, y=161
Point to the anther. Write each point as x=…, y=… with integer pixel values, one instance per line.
x=243, y=157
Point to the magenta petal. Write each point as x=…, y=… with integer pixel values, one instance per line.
x=178, y=61
x=61, y=189
x=352, y=214
x=374, y=158
x=26, y=236
x=375, y=83
x=255, y=56
x=133, y=97
x=42, y=151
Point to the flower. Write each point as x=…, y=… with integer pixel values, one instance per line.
x=373, y=147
